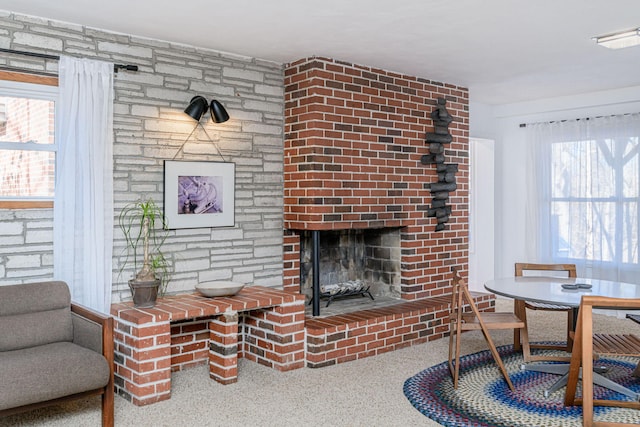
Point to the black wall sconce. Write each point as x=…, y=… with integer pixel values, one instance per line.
x=197, y=107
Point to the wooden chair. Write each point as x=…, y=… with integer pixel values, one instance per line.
x=472, y=320
x=569, y=270
x=587, y=345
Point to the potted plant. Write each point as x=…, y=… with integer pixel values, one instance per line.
x=145, y=230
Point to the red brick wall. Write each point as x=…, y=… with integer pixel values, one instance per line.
x=291, y=261
x=354, y=137
x=189, y=344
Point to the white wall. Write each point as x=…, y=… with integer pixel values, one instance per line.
x=481, y=212
x=502, y=124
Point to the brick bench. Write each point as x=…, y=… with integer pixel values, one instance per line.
x=261, y=324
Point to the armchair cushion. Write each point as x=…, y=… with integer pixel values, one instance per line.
x=48, y=372
x=36, y=314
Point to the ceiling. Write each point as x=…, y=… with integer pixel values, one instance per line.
x=504, y=51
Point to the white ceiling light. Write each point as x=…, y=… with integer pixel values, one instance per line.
x=619, y=40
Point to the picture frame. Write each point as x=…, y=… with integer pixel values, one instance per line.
x=199, y=194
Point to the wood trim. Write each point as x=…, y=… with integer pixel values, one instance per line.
x=28, y=78
x=26, y=204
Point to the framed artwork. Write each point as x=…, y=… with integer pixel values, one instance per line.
x=199, y=194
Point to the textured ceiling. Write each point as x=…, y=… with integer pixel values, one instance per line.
x=503, y=50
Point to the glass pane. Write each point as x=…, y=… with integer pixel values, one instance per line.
x=602, y=169
x=26, y=120
x=630, y=170
x=583, y=230
x=583, y=169
x=25, y=173
x=630, y=233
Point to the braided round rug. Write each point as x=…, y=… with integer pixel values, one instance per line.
x=483, y=397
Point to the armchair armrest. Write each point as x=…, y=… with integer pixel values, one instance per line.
x=93, y=330
x=88, y=327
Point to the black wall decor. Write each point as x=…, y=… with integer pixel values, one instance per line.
x=446, y=172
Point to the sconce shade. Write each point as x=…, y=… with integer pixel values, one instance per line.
x=197, y=107
x=218, y=113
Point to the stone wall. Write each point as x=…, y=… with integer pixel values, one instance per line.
x=149, y=127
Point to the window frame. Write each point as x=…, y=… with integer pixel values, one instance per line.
x=41, y=87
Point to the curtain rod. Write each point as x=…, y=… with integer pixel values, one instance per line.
x=524, y=125
x=116, y=67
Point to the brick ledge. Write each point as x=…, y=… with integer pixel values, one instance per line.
x=375, y=313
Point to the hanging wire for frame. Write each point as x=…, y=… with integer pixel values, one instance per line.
x=210, y=140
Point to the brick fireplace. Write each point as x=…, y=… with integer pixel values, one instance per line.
x=354, y=139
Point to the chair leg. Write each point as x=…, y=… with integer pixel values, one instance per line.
x=454, y=354
x=586, y=342
x=456, y=374
x=526, y=349
x=108, y=406
x=570, y=328
x=520, y=311
x=516, y=341
x=498, y=360
x=574, y=369
x=451, y=366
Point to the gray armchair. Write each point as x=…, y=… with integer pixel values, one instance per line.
x=52, y=350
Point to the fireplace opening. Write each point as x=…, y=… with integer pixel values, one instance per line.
x=363, y=259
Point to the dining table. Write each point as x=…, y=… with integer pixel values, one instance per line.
x=566, y=292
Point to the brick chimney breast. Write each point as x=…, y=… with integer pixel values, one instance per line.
x=354, y=140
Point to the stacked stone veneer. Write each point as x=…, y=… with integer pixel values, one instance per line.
x=149, y=127
x=354, y=138
x=261, y=324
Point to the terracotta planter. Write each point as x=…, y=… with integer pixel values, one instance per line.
x=144, y=292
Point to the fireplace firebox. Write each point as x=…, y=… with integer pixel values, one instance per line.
x=338, y=263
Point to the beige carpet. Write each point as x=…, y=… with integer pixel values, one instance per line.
x=366, y=392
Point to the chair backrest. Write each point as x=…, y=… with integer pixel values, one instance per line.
x=554, y=270
x=461, y=297
x=587, y=344
x=619, y=344
x=34, y=314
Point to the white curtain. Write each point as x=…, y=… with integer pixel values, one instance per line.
x=583, y=180
x=83, y=204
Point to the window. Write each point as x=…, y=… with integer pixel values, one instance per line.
x=588, y=192
x=594, y=199
x=27, y=142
